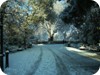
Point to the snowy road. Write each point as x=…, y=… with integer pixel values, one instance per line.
x=50, y=60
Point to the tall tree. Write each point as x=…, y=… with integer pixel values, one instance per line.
x=15, y=14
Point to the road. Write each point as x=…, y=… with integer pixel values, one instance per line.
x=50, y=60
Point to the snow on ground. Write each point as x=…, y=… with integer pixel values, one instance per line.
x=83, y=53
x=66, y=60
x=21, y=62
x=77, y=50
x=55, y=59
x=47, y=66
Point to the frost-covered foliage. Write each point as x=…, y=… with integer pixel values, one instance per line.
x=46, y=28
x=90, y=28
x=47, y=20
x=42, y=10
x=14, y=13
x=58, y=36
x=76, y=11
x=85, y=16
x=59, y=6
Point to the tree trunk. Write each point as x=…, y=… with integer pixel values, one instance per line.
x=1, y=47
x=1, y=42
x=25, y=45
x=51, y=38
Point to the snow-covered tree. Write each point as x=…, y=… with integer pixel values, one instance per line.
x=14, y=15
x=48, y=28
x=59, y=6
x=90, y=27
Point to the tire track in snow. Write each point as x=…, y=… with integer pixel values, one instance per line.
x=61, y=68
x=35, y=66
